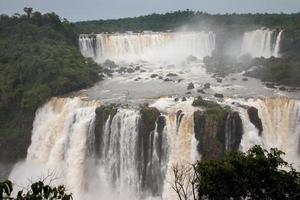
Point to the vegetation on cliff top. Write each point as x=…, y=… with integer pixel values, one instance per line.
x=39, y=58
x=213, y=110
x=173, y=20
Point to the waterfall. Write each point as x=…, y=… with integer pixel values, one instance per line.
x=60, y=144
x=277, y=45
x=102, y=153
x=147, y=46
x=261, y=43
x=281, y=127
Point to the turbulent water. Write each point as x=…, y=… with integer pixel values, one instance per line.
x=147, y=46
x=110, y=163
x=114, y=154
x=262, y=43
x=281, y=127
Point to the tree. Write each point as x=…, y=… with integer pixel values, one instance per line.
x=37, y=191
x=28, y=11
x=257, y=174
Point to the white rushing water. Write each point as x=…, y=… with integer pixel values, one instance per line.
x=61, y=133
x=262, y=43
x=154, y=46
x=281, y=127
x=129, y=165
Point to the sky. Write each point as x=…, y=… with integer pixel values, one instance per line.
x=81, y=10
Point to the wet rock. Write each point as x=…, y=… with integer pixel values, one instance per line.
x=190, y=86
x=108, y=72
x=254, y=118
x=160, y=77
x=192, y=58
x=270, y=85
x=153, y=76
x=245, y=79
x=179, y=80
x=137, y=68
x=206, y=86
x=142, y=70
x=282, y=88
x=292, y=89
x=188, y=93
x=176, y=99
x=171, y=74
x=167, y=80
x=219, y=80
x=183, y=99
x=218, y=95
x=121, y=70
x=201, y=91
x=130, y=70
x=109, y=64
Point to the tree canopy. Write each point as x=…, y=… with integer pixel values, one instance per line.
x=257, y=174
x=39, y=58
x=192, y=19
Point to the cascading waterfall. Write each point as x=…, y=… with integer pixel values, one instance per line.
x=61, y=137
x=147, y=46
x=131, y=162
x=262, y=43
x=281, y=127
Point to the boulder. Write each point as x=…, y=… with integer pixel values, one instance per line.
x=206, y=86
x=190, y=86
x=172, y=74
x=218, y=95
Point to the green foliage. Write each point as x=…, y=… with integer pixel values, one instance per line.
x=173, y=20
x=39, y=58
x=222, y=65
x=257, y=174
x=5, y=188
x=285, y=70
x=38, y=191
x=213, y=110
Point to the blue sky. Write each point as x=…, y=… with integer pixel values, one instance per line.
x=78, y=10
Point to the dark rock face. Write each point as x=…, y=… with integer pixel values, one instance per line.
x=233, y=131
x=254, y=119
x=150, y=138
x=14, y=145
x=11, y=151
x=102, y=114
x=209, y=146
x=217, y=136
x=151, y=176
x=290, y=41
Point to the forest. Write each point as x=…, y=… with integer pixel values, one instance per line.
x=190, y=19
x=39, y=58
